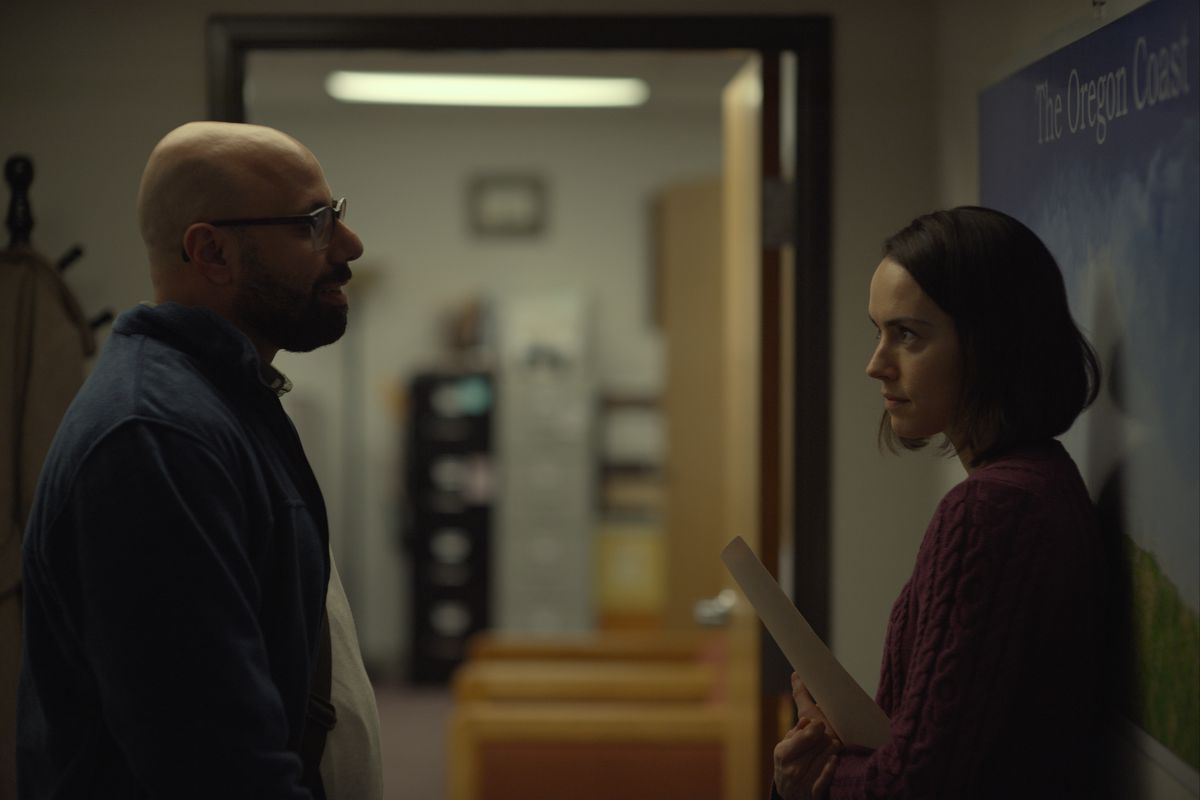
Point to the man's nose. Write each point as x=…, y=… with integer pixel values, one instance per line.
x=346, y=244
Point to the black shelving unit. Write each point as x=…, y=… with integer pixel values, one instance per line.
x=450, y=479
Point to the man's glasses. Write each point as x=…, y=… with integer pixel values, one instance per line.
x=320, y=222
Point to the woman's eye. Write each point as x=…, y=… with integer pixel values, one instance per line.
x=907, y=336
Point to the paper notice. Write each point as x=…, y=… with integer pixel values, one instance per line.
x=851, y=711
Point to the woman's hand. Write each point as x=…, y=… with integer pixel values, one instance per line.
x=807, y=755
x=806, y=706
x=804, y=761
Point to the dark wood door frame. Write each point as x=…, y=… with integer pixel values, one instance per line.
x=231, y=38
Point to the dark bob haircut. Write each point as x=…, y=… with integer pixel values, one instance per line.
x=1027, y=371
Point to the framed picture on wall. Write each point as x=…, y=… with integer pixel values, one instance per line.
x=1094, y=147
x=506, y=205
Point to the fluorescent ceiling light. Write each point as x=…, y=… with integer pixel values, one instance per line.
x=544, y=91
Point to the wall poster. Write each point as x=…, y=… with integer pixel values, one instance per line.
x=1095, y=147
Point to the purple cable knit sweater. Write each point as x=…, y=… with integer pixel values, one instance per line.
x=992, y=672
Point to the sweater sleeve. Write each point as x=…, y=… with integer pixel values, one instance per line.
x=971, y=582
x=165, y=607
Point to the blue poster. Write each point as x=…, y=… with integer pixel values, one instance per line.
x=1095, y=148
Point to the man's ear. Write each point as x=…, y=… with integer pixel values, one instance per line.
x=208, y=249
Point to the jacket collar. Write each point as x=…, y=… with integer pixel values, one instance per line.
x=206, y=336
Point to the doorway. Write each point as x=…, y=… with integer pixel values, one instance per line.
x=803, y=416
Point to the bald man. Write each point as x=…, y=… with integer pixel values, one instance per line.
x=177, y=555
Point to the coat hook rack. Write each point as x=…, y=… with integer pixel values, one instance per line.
x=18, y=171
x=70, y=257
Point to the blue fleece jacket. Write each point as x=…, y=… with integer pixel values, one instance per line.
x=175, y=568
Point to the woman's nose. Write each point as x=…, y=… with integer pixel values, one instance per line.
x=879, y=367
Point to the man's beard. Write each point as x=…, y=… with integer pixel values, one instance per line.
x=289, y=319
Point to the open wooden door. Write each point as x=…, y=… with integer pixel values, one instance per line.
x=727, y=289
x=776, y=241
x=741, y=249
x=709, y=272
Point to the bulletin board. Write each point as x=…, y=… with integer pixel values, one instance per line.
x=1095, y=147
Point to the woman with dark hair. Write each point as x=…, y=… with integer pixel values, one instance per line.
x=994, y=672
